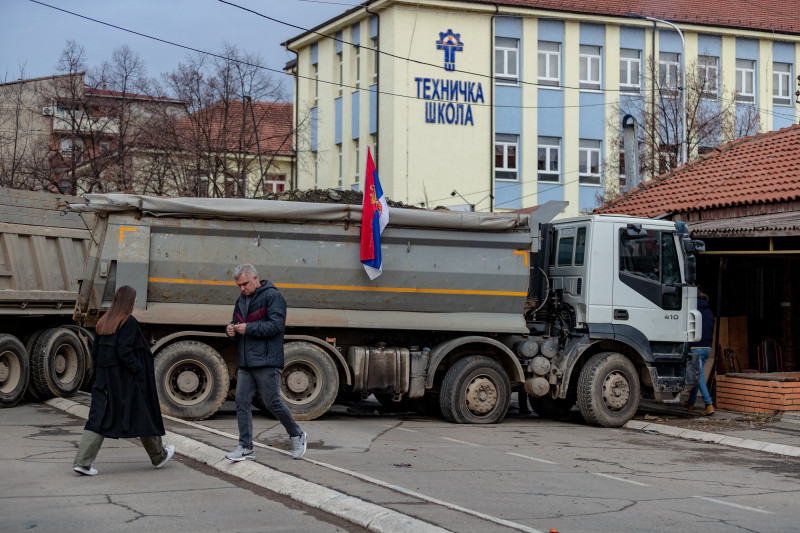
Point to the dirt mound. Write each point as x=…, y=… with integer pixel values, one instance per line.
x=328, y=196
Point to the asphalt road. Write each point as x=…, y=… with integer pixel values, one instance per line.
x=525, y=474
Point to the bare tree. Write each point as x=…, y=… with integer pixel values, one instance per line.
x=217, y=137
x=714, y=116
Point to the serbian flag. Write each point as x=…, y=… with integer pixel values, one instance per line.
x=374, y=217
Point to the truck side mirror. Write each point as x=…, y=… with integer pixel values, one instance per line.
x=688, y=245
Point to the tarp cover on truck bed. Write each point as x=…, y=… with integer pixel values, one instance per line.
x=246, y=209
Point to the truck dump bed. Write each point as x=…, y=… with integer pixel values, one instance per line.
x=42, y=253
x=441, y=270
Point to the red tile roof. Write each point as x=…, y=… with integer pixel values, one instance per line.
x=768, y=15
x=274, y=120
x=765, y=15
x=764, y=168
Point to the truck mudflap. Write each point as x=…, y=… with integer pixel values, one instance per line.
x=670, y=380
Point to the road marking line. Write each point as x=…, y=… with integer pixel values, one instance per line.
x=621, y=479
x=460, y=441
x=721, y=502
x=390, y=486
x=531, y=458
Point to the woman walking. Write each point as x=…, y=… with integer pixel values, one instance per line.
x=124, y=398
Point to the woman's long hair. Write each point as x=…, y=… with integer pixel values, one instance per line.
x=121, y=309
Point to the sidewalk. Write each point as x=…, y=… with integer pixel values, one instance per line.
x=40, y=492
x=22, y=426
x=778, y=434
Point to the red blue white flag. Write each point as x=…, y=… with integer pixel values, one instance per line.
x=374, y=217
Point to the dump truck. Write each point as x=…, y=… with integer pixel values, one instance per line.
x=43, y=250
x=597, y=311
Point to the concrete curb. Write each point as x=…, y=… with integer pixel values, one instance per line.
x=727, y=440
x=368, y=515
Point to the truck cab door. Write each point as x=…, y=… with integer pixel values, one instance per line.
x=648, y=293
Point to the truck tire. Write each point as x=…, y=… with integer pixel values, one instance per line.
x=191, y=379
x=13, y=370
x=310, y=380
x=58, y=363
x=608, y=390
x=548, y=407
x=30, y=342
x=475, y=390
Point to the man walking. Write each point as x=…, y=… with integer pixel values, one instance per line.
x=259, y=322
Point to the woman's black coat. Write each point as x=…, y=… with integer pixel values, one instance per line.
x=124, y=397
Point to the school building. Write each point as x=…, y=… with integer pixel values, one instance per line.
x=503, y=105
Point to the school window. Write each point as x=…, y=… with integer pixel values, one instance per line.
x=358, y=67
x=357, y=166
x=549, y=63
x=708, y=75
x=339, y=160
x=374, y=60
x=589, y=162
x=630, y=67
x=505, y=157
x=506, y=60
x=316, y=85
x=340, y=72
x=669, y=66
x=68, y=147
x=589, y=67
x=745, y=80
x=549, y=168
x=274, y=183
x=316, y=170
x=781, y=83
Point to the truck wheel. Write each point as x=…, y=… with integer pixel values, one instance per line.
x=13, y=370
x=310, y=380
x=608, y=390
x=57, y=363
x=191, y=379
x=475, y=390
x=548, y=407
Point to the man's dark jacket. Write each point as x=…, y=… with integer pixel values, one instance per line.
x=262, y=343
x=124, y=398
x=708, y=324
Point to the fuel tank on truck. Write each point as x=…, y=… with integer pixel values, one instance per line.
x=441, y=269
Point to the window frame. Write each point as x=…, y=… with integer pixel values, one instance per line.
x=358, y=68
x=505, y=142
x=742, y=75
x=275, y=185
x=781, y=80
x=547, y=144
x=549, y=57
x=667, y=69
x=590, y=178
x=316, y=83
x=340, y=160
x=590, y=57
x=629, y=87
x=504, y=76
x=703, y=70
x=341, y=73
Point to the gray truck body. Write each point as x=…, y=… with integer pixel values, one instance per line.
x=461, y=317
x=42, y=255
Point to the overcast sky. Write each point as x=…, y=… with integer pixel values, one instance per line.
x=33, y=35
